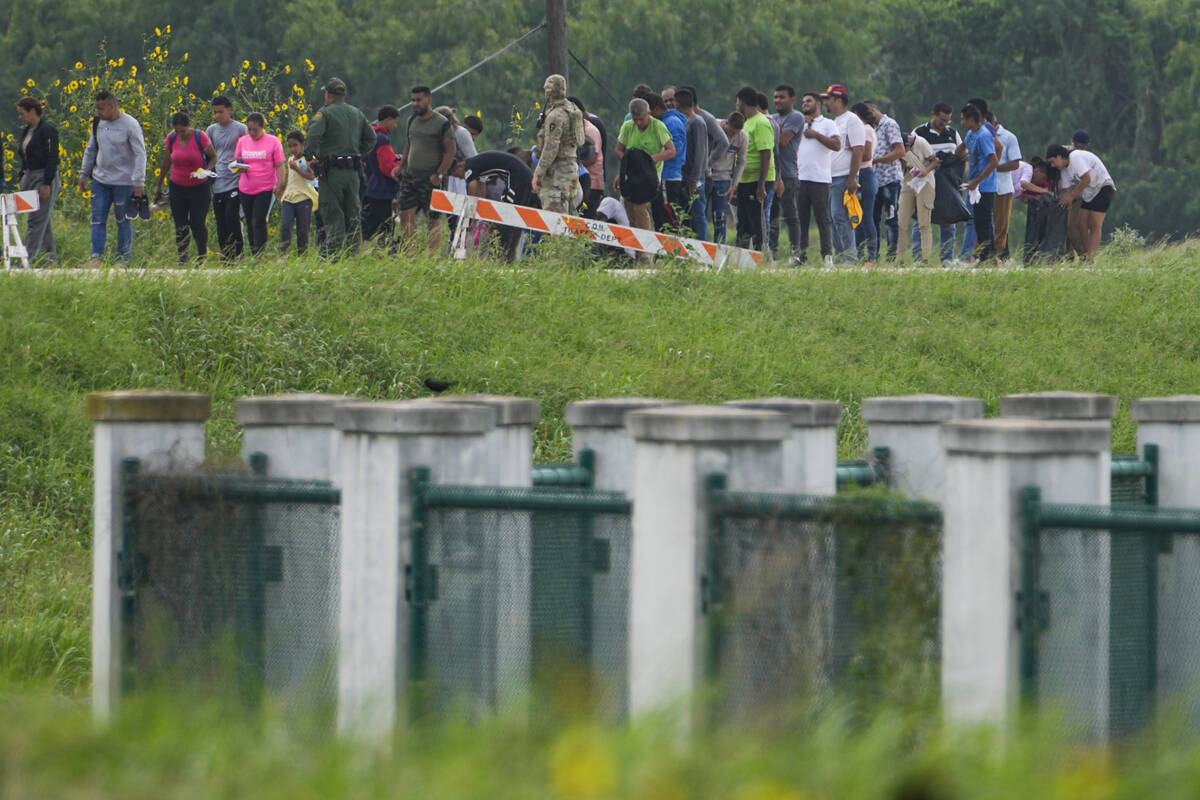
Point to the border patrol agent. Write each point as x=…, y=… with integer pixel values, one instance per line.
x=338, y=136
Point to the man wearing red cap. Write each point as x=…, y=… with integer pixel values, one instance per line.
x=844, y=168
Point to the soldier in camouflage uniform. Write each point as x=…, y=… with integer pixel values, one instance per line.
x=337, y=139
x=556, y=179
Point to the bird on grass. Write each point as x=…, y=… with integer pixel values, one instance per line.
x=437, y=387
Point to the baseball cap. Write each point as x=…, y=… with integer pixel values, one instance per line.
x=335, y=86
x=836, y=90
x=1081, y=138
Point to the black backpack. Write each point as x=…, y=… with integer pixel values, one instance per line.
x=639, y=177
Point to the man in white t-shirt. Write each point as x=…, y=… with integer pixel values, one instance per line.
x=844, y=168
x=819, y=140
x=1082, y=174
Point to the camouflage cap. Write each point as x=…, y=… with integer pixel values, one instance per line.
x=335, y=86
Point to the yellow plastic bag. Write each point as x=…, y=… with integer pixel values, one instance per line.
x=853, y=208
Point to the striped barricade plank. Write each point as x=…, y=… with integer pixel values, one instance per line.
x=605, y=233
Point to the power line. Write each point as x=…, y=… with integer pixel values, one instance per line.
x=474, y=67
x=595, y=80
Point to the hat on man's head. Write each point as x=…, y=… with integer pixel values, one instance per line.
x=335, y=86
x=1081, y=138
x=836, y=90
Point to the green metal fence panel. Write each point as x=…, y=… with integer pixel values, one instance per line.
x=1090, y=574
x=523, y=587
x=580, y=475
x=230, y=581
x=805, y=596
x=1134, y=479
x=875, y=471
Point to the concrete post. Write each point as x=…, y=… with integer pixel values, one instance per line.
x=810, y=451
x=676, y=449
x=164, y=430
x=988, y=462
x=296, y=434
x=516, y=418
x=294, y=431
x=1059, y=405
x=1173, y=424
x=599, y=425
x=910, y=427
x=380, y=444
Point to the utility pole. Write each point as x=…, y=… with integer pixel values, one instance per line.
x=556, y=36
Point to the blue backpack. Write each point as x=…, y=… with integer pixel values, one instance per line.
x=195, y=138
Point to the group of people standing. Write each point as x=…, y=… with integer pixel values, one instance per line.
x=859, y=177
x=868, y=186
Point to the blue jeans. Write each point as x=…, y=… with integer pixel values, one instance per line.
x=866, y=235
x=886, y=203
x=104, y=197
x=698, y=213
x=719, y=203
x=843, y=231
x=945, y=238
x=969, y=238
x=767, y=206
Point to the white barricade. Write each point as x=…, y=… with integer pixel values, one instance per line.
x=470, y=209
x=10, y=206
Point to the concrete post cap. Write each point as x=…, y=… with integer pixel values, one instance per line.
x=1019, y=436
x=707, y=424
x=609, y=412
x=148, y=405
x=920, y=408
x=414, y=417
x=508, y=410
x=1059, y=405
x=1179, y=408
x=802, y=413
x=302, y=408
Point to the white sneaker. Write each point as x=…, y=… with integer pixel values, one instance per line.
x=828, y=262
x=947, y=263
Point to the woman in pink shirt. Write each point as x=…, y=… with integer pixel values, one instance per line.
x=186, y=152
x=264, y=174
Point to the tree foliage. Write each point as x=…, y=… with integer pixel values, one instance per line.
x=1128, y=71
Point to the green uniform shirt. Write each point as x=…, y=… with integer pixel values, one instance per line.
x=339, y=129
x=653, y=140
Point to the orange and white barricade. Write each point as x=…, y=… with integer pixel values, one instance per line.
x=471, y=209
x=10, y=206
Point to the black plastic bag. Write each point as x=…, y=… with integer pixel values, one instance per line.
x=948, y=204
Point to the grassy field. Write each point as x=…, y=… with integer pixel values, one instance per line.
x=557, y=331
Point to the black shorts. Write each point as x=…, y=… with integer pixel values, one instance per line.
x=415, y=192
x=1101, y=201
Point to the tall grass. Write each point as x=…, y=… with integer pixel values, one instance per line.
x=375, y=327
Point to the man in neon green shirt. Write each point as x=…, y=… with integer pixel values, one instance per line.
x=758, y=178
x=643, y=132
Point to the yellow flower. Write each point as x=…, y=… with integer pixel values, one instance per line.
x=57, y=82
x=133, y=70
x=233, y=81
x=518, y=116
x=185, y=56
x=112, y=62
x=297, y=90
x=536, y=104
x=72, y=109
x=29, y=83
x=245, y=65
x=221, y=86
x=157, y=49
x=121, y=61
x=253, y=79
x=262, y=65
x=287, y=69
x=157, y=171
x=168, y=29
x=157, y=32
x=285, y=107
x=311, y=67
x=582, y=764
x=78, y=65
x=72, y=86
x=185, y=80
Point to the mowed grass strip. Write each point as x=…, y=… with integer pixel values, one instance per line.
x=376, y=327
